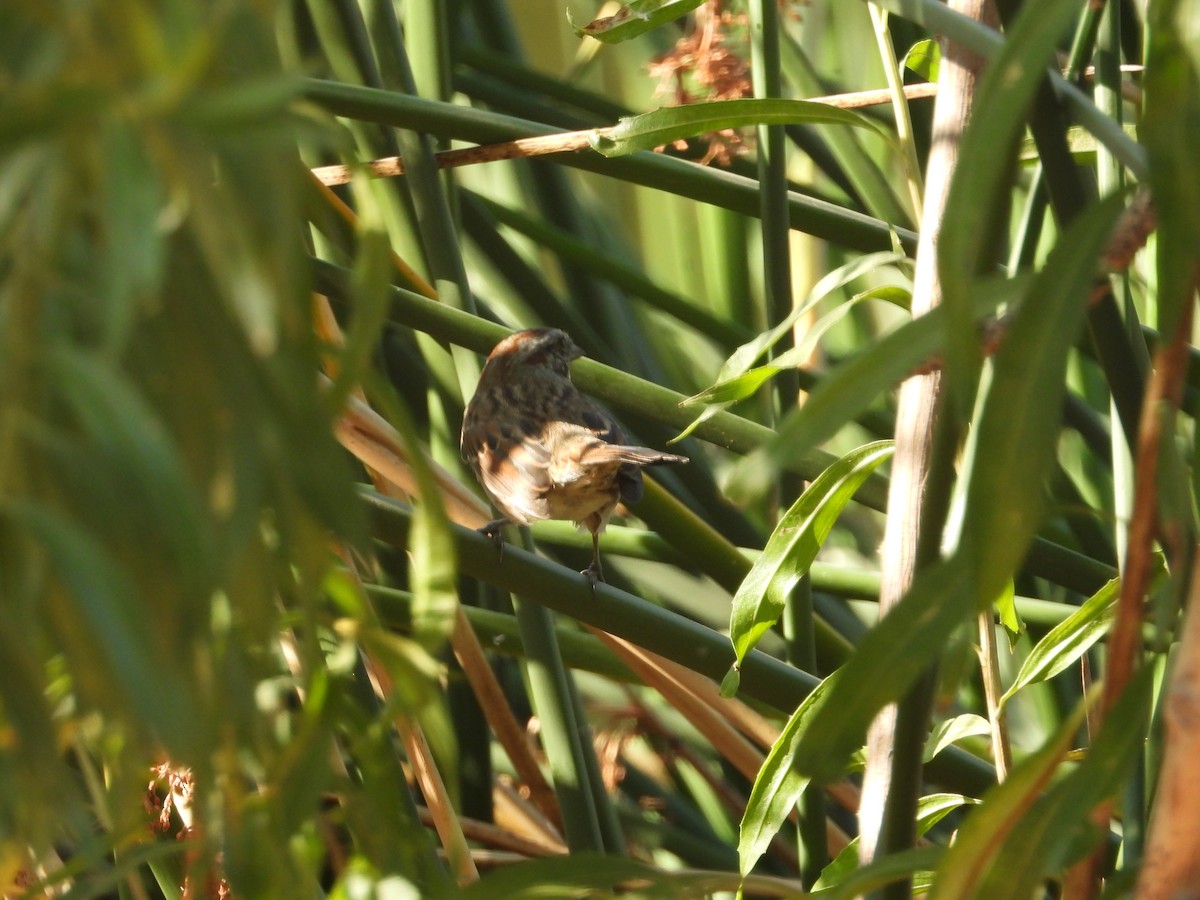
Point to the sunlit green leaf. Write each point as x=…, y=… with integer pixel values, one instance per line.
x=779, y=783
x=892, y=868
x=1069, y=640
x=885, y=663
x=795, y=542
x=673, y=123
x=988, y=148
x=737, y=388
x=1006, y=609
x=930, y=810
x=803, y=352
x=852, y=386
x=1012, y=444
x=923, y=58
x=952, y=730
x=737, y=381
x=975, y=848
x=998, y=854
x=747, y=354
x=633, y=19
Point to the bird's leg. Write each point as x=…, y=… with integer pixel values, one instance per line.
x=492, y=530
x=594, y=572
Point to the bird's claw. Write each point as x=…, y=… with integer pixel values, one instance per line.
x=594, y=574
x=492, y=530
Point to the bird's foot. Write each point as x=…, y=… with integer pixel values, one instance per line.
x=594, y=574
x=492, y=530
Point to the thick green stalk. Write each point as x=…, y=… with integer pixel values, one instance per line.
x=765, y=679
x=766, y=68
x=562, y=727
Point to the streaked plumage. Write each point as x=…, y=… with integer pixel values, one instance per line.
x=543, y=450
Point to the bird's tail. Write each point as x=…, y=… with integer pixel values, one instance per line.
x=639, y=456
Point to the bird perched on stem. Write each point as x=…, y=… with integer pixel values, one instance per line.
x=543, y=450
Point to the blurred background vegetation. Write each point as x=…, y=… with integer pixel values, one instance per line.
x=252, y=645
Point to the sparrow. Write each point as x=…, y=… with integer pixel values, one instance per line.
x=543, y=450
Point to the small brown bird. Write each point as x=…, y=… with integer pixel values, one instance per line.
x=543, y=450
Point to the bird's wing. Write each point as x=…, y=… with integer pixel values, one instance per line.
x=514, y=468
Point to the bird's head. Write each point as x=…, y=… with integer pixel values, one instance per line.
x=546, y=348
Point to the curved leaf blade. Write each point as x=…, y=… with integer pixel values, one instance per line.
x=948, y=732
x=737, y=381
x=855, y=384
x=779, y=783
x=1068, y=640
x=634, y=19
x=1016, y=838
x=794, y=544
x=889, y=657
x=988, y=149
x=974, y=849
x=675, y=123
x=1013, y=442
x=1011, y=448
x=930, y=810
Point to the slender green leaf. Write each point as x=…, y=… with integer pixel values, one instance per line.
x=1006, y=609
x=107, y=637
x=747, y=354
x=1012, y=446
x=1069, y=640
x=892, y=868
x=133, y=258
x=1007, y=857
x=888, y=659
x=673, y=123
x=794, y=544
x=923, y=57
x=736, y=381
x=633, y=19
x=416, y=688
x=779, y=783
x=975, y=201
x=855, y=384
x=1013, y=443
x=803, y=351
x=1170, y=131
x=954, y=729
x=930, y=810
x=978, y=841
x=433, y=574
x=733, y=389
